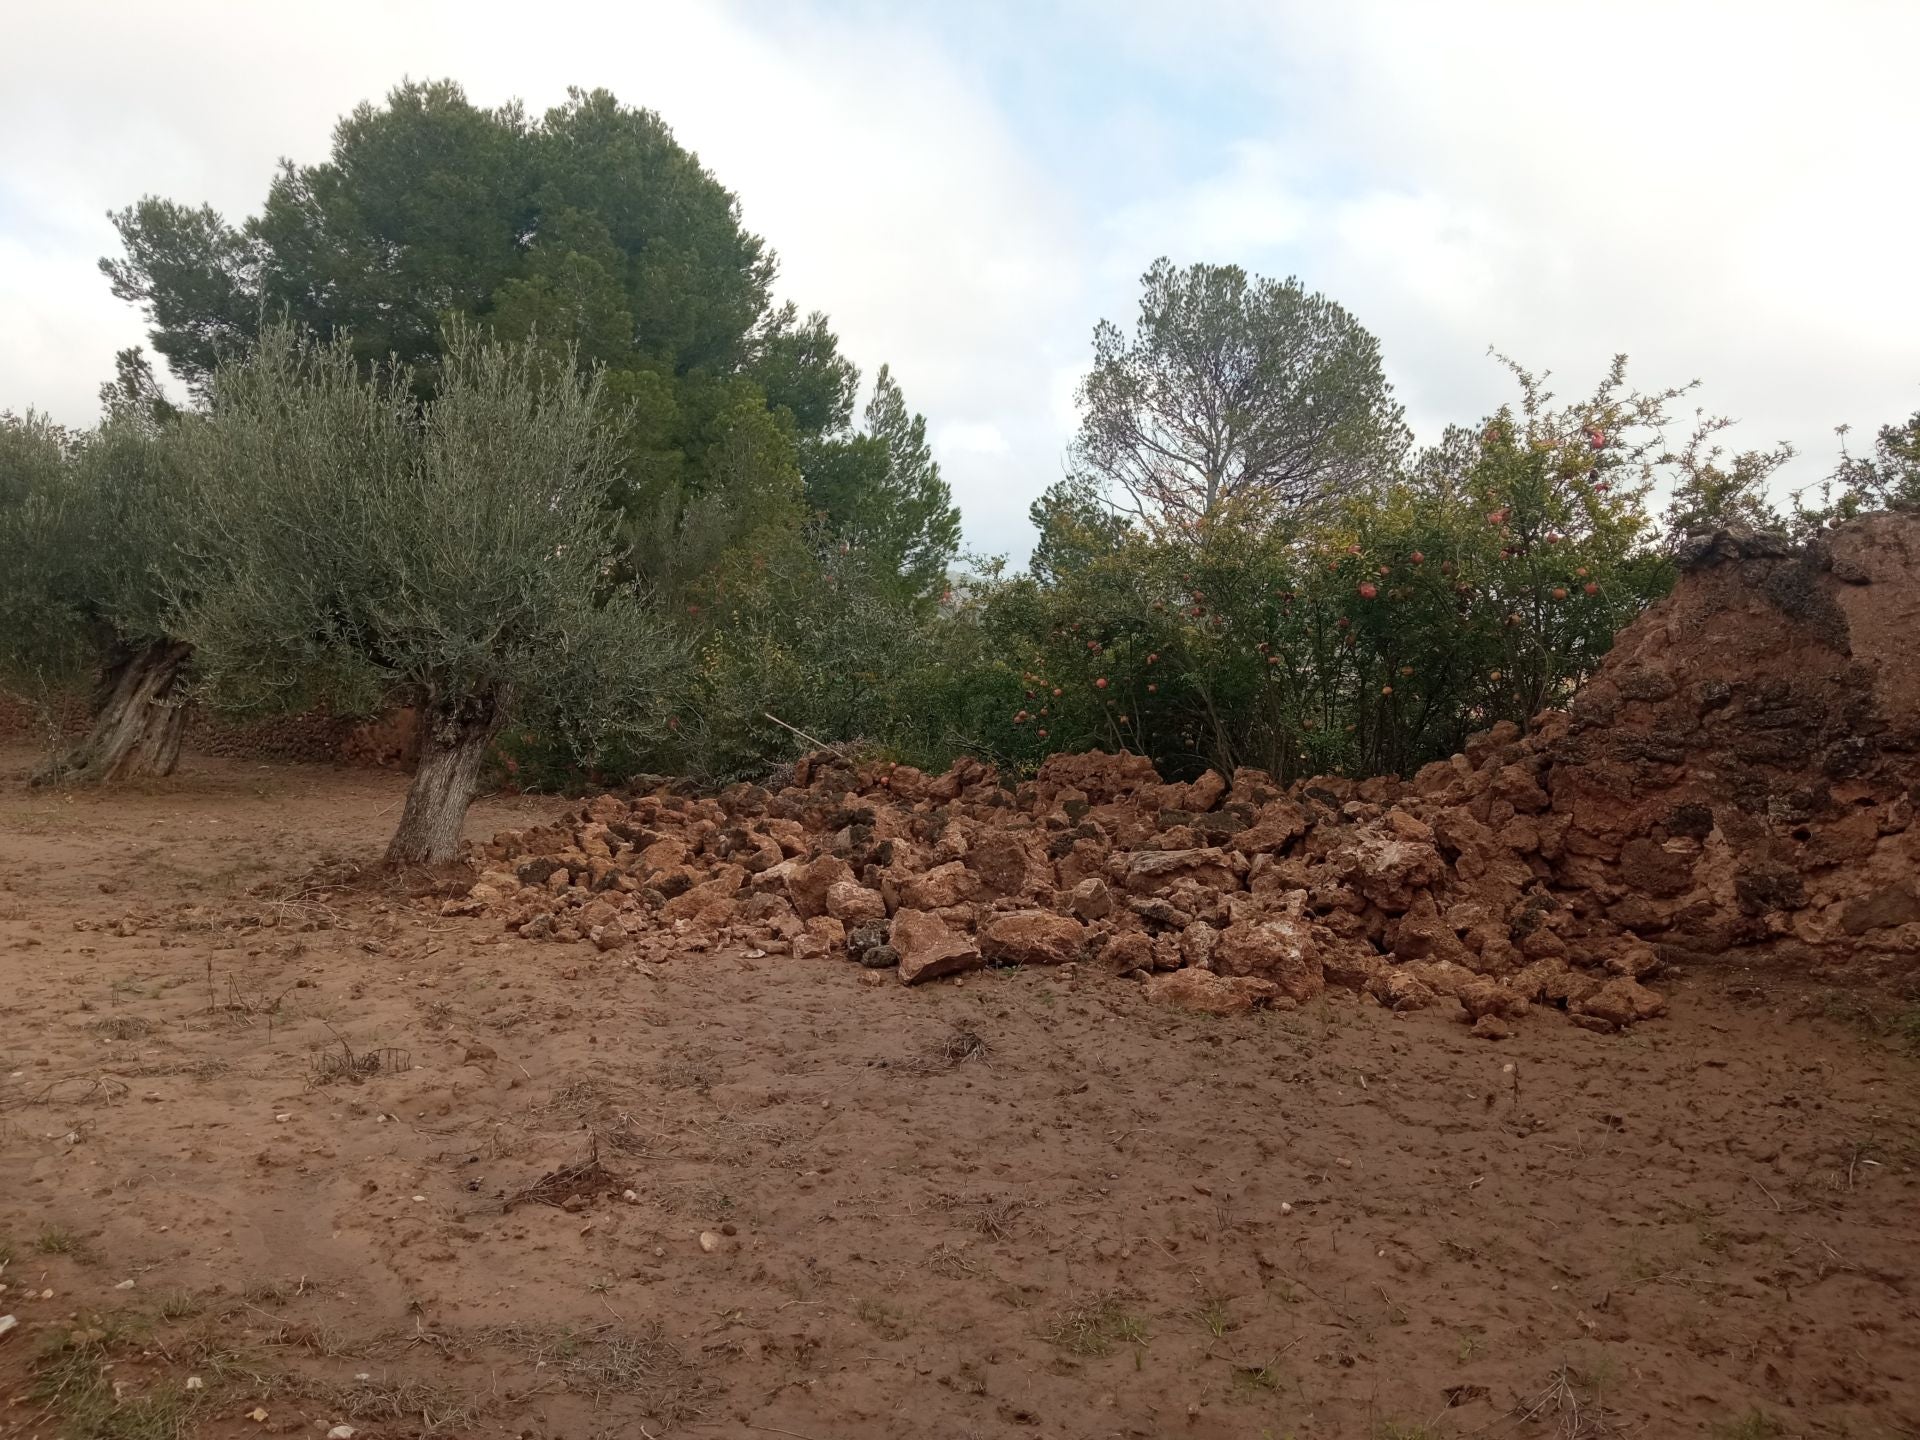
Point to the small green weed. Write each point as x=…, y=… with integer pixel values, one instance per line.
x=179, y=1305
x=1215, y=1317
x=1095, y=1326
x=60, y=1240
x=1899, y=1026
x=1263, y=1379
x=70, y=1378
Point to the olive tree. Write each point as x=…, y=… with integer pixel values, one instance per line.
x=455, y=554
x=85, y=544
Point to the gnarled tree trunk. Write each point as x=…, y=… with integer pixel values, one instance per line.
x=139, y=717
x=454, y=735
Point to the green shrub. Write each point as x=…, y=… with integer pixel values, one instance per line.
x=1367, y=635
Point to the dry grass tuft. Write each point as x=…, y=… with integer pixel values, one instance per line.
x=1570, y=1403
x=123, y=1027
x=992, y=1215
x=435, y=1409
x=587, y=1181
x=951, y=1262
x=1094, y=1325
x=340, y=1062
x=607, y=1360
x=961, y=1044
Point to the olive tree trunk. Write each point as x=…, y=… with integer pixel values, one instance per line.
x=139, y=717
x=454, y=737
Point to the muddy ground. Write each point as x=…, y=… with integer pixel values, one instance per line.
x=341, y=1161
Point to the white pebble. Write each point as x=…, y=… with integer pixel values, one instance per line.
x=194, y=1382
x=1286, y=1208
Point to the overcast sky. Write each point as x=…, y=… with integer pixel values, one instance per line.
x=1722, y=190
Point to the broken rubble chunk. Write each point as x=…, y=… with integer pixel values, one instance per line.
x=1211, y=994
x=1033, y=937
x=929, y=948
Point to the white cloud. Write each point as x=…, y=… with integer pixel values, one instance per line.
x=1722, y=192
x=971, y=437
x=1253, y=205
x=1720, y=197
x=41, y=341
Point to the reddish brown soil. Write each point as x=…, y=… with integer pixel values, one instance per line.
x=1703, y=1225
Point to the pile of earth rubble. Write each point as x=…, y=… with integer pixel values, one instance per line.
x=1736, y=782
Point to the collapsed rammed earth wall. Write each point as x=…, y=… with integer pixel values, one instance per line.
x=1741, y=775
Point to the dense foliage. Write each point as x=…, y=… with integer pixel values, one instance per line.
x=1480, y=582
x=1887, y=478
x=88, y=544
x=456, y=555
x=85, y=541
x=1233, y=391
x=592, y=234
x=496, y=415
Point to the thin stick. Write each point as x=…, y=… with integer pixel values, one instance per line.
x=821, y=744
x=1764, y=1191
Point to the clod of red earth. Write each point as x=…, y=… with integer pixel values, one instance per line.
x=1211, y=994
x=1738, y=780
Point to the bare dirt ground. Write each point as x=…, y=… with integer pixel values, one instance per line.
x=341, y=1161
